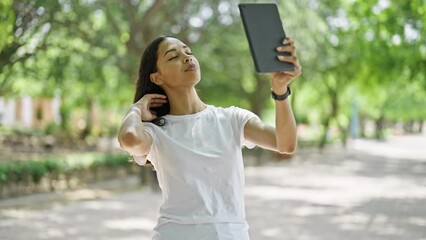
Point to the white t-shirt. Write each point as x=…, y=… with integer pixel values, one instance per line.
x=200, y=171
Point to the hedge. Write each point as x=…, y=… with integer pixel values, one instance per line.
x=31, y=173
x=21, y=170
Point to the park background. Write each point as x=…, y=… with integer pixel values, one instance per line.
x=68, y=69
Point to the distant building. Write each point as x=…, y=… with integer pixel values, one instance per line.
x=28, y=112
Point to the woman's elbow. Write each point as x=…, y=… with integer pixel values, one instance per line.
x=288, y=149
x=128, y=140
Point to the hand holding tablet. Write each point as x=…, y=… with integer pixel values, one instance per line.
x=266, y=36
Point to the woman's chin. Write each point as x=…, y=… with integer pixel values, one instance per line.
x=194, y=79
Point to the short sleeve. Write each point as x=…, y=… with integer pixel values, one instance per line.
x=241, y=117
x=141, y=160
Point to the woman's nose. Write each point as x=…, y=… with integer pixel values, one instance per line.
x=188, y=58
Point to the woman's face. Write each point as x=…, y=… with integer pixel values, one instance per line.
x=176, y=65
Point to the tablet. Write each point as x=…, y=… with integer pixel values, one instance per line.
x=265, y=32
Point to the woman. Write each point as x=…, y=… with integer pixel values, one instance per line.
x=196, y=148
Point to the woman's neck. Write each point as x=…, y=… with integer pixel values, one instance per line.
x=185, y=102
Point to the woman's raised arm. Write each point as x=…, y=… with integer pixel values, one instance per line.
x=132, y=135
x=282, y=138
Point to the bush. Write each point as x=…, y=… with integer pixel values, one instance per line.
x=35, y=170
x=115, y=160
x=3, y=173
x=51, y=128
x=18, y=171
x=53, y=166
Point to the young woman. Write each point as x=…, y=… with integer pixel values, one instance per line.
x=195, y=147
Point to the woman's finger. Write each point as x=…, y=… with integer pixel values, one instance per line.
x=287, y=49
x=156, y=95
x=157, y=100
x=153, y=105
x=297, y=71
x=290, y=59
x=288, y=42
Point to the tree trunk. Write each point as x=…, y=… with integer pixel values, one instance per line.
x=324, y=135
x=343, y=135
x=380, y=125
x=334, y=104
x=259, y=97
x=362, y=121
x=87, y=130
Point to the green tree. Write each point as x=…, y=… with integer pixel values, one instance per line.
x=350, y=50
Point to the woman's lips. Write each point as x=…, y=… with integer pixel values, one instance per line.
x=191, y=67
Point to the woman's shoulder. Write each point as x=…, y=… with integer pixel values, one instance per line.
x=232, y=112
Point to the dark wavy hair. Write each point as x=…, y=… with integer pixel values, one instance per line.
x=144, y=85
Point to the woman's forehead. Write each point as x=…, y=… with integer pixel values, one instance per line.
x=169, y=43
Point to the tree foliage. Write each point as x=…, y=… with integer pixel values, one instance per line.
x=371, y=52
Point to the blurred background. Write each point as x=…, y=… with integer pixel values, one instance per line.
x=68, y=68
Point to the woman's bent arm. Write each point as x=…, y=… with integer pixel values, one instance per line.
x=283, y=138
x=286, y=128
x=132, y=136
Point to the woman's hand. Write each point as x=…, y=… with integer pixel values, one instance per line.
x=147, y=102
x=280, y=80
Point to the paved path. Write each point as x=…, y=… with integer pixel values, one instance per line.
x=374, y=190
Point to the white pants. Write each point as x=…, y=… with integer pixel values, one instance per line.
x=206, y=231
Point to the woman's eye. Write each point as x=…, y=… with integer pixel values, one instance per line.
x=188, y=53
